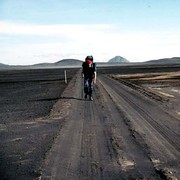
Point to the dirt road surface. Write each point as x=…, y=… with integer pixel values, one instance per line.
x=49, y=131
x=122, y=134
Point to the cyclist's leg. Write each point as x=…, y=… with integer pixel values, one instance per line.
x=90, y=89
x=86, y=87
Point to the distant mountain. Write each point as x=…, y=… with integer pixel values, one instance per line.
x=3, y=65
x=69, y=62
x=63, y=62
x=174, y=60
x=118, y=59
x=43, y=64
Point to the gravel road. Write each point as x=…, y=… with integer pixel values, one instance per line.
x=49, y=131
x=122, y=134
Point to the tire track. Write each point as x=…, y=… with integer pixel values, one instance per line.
x=162, y=141
x=169, y=134
x=132, y=160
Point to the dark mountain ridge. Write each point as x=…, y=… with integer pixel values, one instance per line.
x=173, y=60
x=69, y=62
x=3, y=65
x=117, y=60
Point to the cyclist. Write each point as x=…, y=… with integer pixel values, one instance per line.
x=89, y=75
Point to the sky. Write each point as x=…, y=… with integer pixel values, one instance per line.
x=37, y=31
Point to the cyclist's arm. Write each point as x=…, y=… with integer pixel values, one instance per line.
x=95, y=76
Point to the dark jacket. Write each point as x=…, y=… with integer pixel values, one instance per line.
x=88, y=71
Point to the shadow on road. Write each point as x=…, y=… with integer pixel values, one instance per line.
x=63, y=97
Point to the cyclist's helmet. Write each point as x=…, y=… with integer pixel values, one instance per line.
x=89, y=58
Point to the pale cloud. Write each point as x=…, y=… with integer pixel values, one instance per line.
x=50, y=30
x=104, y=41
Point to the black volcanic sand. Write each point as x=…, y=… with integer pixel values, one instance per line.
x=27, y=129
x=141, y=68
x=26, y=99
